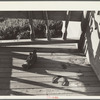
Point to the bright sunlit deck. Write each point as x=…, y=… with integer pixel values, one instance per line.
x=53, y=59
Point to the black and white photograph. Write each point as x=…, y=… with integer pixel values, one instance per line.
x=50, y=53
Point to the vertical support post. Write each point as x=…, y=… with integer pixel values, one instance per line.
x=63, y=27
x=66, y=25
x=48, y=35
x=82, y=46
x=32, y=32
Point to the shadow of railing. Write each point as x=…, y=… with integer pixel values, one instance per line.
x=44, y=65
x=75, y=65
x=43, y=49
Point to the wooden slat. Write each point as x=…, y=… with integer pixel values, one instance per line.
x=46, y=61
x=52, y=15
x=51, y=46
x=17, y=59
x=32, y=32
x=46, y=73
x=43, y=50
x=55, y=60
x=66, y=25
x=48, y=35
x=48, y=91
x=43, y=67
x=82, y=45
x=24, y=84
x=82, y=79
x=37, y=41
x=38, y=80
x=15, y=54
x=91, y=79
x=29, y=92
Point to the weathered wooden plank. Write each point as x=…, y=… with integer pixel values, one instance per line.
x=38, y=65
x=7, y=54
x=79, y=75
x=26, y=84
x=44, y=54
x=46, y=73
x=29, y=92
x=53, y=15
x=46, y=50
x=79, y=79
x=82, y=43
x=48, y=59
x=51, y=57
x=44, y=64
x=38, y=41
x=48, y=35
x=63, y=45
x=51, y=91
x=51, y=61
x=48, y=91
x=32, y=31
x=50, y=67
x=66, y=25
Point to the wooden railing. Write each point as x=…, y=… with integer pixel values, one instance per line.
x=93, y=41
x=65, y=16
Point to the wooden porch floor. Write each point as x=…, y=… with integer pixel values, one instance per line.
x=53, y=59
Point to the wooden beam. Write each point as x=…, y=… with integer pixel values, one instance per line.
x=52, y=15
x=82, y=37
x=48, y=35
x=63, y=28
x=32, y=32
x=66, y=25
x=82, y=45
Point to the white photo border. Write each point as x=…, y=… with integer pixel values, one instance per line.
x=49, y=5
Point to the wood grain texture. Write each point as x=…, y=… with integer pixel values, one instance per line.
x=38, y=81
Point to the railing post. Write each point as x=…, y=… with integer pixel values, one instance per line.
x=82, y=46
x=32, y=32
x=48, y=35
x=65, y=24
x=63, y=28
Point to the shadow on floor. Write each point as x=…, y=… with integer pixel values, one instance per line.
x=53, y=68
x=47, y=66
